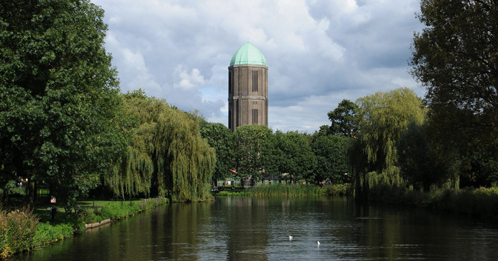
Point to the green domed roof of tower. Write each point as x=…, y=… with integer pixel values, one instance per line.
x=248, y=54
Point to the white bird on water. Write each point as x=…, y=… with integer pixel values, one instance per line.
x=290, y=238
x=318, y=243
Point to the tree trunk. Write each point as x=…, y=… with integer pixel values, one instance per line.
x=5, y=197
x=31, y=194
x=154, y=186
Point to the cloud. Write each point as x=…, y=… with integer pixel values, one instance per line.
x=318, y=52
x=188, y=80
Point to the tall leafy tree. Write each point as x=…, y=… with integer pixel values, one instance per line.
x=166, y=155
x=253, y=150
x=331, y=152
x=222, y=140
x=344, y=119
x=58, y=94
x=383, y=117
x=421, y=161
x=456, y=58
x=295, y=155
x=135, y=172
x=190, y=161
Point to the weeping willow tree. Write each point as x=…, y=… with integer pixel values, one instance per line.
x=189, y=160
x=166, y=155
x=383, y=117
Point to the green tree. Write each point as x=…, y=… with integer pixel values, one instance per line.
x=132, y=174
x=166, y=155
x=421, y=161
x=332, y=158
x=344, y=119
x=382, y=118
x=456, y=58
x=253, y=150
x=58, y=95
x=222, y=140
x=478, y=167
x=323, y=131
x=295, y=156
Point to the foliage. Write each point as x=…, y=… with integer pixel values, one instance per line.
x=456, y=58
x=47, y=232
x=222, y=140
x=166, y=155
x=190, y=160
x=344, y=119
x=382, y=119
x=132, y=173
x=285, y=189
x=478, y=167
x=20, y=230
x=253, y=150
x=422, y=163
x=332, y=161
x=344, y=189
x=294, y=155
x=291, y=189
x=16, y=231
x=481, y=202
x=58, y=94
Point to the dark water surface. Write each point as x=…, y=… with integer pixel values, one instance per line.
x=241, y=228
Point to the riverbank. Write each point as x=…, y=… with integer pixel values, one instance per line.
x=288, y=190
x=480, y=203
x=24, y=230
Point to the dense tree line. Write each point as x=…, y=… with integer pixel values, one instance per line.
x=256, y=152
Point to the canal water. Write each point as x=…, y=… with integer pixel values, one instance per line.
x=243, y=228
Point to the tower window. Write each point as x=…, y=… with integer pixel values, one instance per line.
x=230, y=120
x=236, y=112
x=254, y=116
x=255, y=81
x=230, y=84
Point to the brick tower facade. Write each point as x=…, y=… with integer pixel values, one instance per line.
x=247, y=88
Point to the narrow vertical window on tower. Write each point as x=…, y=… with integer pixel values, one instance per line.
x=230, y=84
x=255, y=81
x=230, y=120
x=236, y=113
x=254, y=116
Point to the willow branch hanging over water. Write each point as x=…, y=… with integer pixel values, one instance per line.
x=166, y=155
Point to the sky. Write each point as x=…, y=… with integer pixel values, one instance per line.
x=318, y=52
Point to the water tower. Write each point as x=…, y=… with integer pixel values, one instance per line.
x=247, y=88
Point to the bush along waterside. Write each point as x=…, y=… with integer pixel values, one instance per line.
x=21, y=230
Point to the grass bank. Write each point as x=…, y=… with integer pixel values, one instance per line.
x=24, y=229
x=288, y=190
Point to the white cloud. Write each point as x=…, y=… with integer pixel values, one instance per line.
x=318, y=52
x=188, y=80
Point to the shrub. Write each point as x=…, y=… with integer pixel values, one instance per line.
x=338, y=189
x=47, y=233
x=16, y=231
